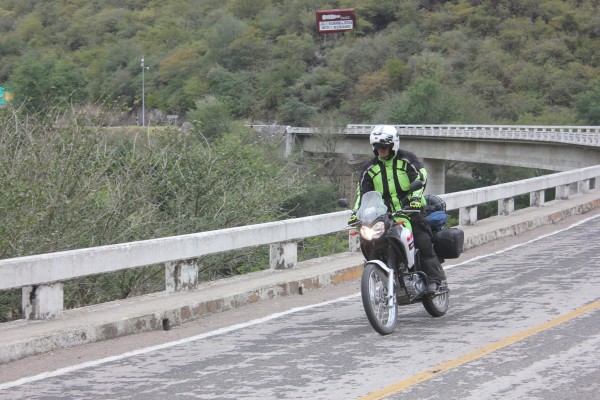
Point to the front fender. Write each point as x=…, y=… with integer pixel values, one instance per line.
x=381, y=264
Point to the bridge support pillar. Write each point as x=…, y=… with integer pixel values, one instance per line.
x=43, y=301
x=290, y=138
x=436, y=176
x=181, y=276
x=283, y=255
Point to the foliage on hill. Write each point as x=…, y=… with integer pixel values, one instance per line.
x=408, y=61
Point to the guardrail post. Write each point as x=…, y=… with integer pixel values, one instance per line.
x=583, y=187
x=181, y=275
x=537, y=198
x=42, y=301
x=283, y=255
x=506, y=206
x=562, y=192
x=467, y=215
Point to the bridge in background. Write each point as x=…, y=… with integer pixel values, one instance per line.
x=554, y=148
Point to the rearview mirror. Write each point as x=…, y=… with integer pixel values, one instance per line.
x=343, y=203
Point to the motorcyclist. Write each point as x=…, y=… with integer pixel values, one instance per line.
x=390, y=173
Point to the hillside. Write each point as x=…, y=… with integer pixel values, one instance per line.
x=408, y=61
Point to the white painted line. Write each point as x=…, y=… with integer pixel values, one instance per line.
x=66, y=370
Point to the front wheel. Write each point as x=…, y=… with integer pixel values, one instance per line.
x=437, y=305
x=374, y=292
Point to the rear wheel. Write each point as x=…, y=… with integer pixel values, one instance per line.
x=437, y=305
x=374, y=292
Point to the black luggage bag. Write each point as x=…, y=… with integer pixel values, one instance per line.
x=448, y=243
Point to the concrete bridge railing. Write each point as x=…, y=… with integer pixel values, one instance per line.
x=576, y=135
x=555, y=148
x=41, y=277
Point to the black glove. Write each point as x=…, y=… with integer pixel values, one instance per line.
x=415, y=203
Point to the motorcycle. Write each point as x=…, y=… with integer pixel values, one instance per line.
x=392, y=275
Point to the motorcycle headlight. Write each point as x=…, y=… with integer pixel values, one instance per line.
x=372, y=232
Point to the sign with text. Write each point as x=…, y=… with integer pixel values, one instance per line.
x=5, y=97
x=338, y=20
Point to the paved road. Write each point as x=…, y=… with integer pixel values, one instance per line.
x=524, y=323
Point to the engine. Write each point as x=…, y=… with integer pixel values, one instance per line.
x=415, y=285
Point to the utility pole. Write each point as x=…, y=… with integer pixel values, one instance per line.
x=143, y=94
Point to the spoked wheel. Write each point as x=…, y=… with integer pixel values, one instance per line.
x=437, y=305
x=374, y=291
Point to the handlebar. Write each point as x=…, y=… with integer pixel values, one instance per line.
x=406, y=211
x=392, y=214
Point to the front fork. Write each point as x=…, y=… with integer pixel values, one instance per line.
x=391, y=298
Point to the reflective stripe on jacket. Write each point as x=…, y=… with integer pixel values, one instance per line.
x=392, y=178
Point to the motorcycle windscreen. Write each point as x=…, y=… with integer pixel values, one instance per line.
x=371, y=207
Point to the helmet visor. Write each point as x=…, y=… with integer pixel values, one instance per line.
x=378, y=146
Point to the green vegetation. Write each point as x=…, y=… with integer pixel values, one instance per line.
x=69, y=185
x=66, y=184
x=408, y=61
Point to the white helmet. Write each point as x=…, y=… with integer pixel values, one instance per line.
x=386, y=135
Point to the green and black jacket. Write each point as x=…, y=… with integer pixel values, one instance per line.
x=392, y=178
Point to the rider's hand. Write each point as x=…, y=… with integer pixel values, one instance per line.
x=415, y=203
x=352, y=219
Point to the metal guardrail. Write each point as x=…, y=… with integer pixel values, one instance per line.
x=41, y=276
x=576, y=135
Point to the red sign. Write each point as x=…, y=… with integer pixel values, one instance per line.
x=339, y=20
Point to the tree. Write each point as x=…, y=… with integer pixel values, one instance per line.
x=245, y=51
x=587, y=104
x=323, y=88
x=232, y=89
x=210, y=117
x=48, y=82
x=114, y=72
x=426, y=102
x=179, y=80
x=244, y=9
x=378, y=13
x=295, y=112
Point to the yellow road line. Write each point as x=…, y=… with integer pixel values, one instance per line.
x=443, y=367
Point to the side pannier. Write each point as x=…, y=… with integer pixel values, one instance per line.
x=448, y=243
